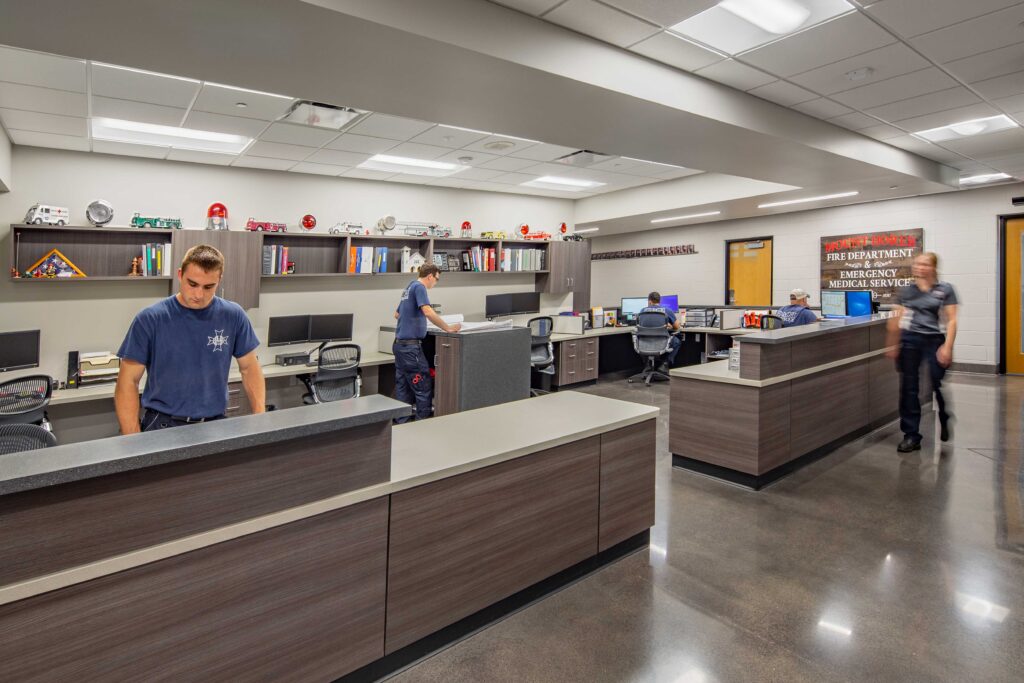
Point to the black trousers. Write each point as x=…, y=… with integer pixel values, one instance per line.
x=916, y=349
x=413, y=382
x=153, y=420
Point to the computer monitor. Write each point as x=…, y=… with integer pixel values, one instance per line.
x=497, y=305
x=332, y=327
x=671, y=302
x=288, y=329
x=833, y=303
x=858, y=303
x=524, y=302
x=19, y=350
x=631, y=306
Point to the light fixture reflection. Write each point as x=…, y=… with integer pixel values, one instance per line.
x=835, y=628
x=979, y=607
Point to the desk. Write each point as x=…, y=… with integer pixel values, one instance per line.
x=798, y=393
x=305, y=544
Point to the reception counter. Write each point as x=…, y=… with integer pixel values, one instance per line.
x=308, y=544
x=799, y=393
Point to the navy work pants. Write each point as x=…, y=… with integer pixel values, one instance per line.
x=674, y=342
x=916, y=349
x=413, y=383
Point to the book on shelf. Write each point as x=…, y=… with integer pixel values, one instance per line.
x=156, y=259
x=353, y=259
x=380, y=259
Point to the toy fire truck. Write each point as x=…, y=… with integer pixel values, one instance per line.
x=524, y=233
x=140, y=221
x=348, y=229
x=264, y=226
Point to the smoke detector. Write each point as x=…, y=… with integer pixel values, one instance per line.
x=500, y=145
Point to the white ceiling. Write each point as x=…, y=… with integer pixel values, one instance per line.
x=47, y=100
x=933, y=62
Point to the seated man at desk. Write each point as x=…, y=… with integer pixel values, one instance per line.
x=797, y=313
x=671, y=322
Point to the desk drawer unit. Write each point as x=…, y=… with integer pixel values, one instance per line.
x=238, y=402
x=576, y=361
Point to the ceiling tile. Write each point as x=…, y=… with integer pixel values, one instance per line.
x=925, y=104
x=735, y=75
x=534, y=7
x=885, y=62
x=1006, y=60
x=366, y=174
x=201, y=157
x=1011, y=105
x=44, y=123
x=543, y=152
x=125, y=149
x=46, y=71
x=47, y=100
x=458, y=157
x=822, y=108
x=142, y=112
x=843, y=37
x=894, y=89
x=508, y=164
x=292, y=134
x=390, y=127
x=513, y=178
x=911, y=18
x=854, y=121
x=923, y=147
x=276, y=150
x=319, y=169
x=361, y=143
x=219, y=123
x=676, y=51
x=261, y=162
x=1001, y=87
x=505, y=145
x=985, y=33
x=418, y=151
x=338, y=158
x=616, y=165
x=218, y=99
x=882, y=132
x=410, y=178
x=124, y=84
x=36, y=139
x=479, y=174
x=783, y=93
x=944, y=118
x=601, y=22
x=993, y=144
x=448, y=136
x=664, y=12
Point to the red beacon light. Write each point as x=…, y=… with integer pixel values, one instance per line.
x=217, y=217
x=309, y=221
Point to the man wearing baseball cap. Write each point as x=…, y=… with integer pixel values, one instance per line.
x=796, y=313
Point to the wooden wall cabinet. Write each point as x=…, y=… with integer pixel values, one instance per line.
x=243, y=259
x=569, y=272
x=448, y=366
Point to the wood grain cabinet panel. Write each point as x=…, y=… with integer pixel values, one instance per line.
x=829, y=348
x=828, y=405
x=569, y=366
x=106, y=516
x=301, y=602
x=627, y=483
x=883, y=388
x=762, y=361
x=448, y=367
x=466, y=542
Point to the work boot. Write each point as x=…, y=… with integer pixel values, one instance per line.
x=908, y=445
x=946, y=429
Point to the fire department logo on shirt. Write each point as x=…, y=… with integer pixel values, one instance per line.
x=218, y=340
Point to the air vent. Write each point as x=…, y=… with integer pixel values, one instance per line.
x=582, y=158
x=307, y=113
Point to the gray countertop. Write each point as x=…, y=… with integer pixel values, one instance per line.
x=789, y=334
x=77, y=461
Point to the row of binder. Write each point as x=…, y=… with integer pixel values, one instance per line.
x=368, y=260
x=156, y=259
x=275, y=259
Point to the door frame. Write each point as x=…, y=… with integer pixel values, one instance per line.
x=1001, y=289
x=771, y=270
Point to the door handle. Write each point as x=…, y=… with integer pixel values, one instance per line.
x=446, y=346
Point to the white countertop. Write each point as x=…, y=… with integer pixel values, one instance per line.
x=718, y=371
x=599, y=332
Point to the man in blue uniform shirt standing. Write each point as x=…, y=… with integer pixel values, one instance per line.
x=185, y=344
x=413, y=382
x=671, y=322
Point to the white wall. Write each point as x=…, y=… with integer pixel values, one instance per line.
x=962, y=227
x=91, y=316
x=5, y=161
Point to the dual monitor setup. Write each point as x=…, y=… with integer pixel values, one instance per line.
x=500, y=305
x=843, y=304
x=302, y=329
x=632, y=305
x=19, y=350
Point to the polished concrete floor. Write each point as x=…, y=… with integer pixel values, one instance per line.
x=865, y=566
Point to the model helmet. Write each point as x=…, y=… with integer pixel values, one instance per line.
x=309, y=221
x=524, y=229
x=217, y=217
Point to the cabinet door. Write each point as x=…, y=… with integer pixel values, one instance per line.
x=242, y=261
x=557, y=281
x=447, y=375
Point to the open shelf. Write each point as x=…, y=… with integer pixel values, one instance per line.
x=313, y=254
x=99, y=278
x=101, y=253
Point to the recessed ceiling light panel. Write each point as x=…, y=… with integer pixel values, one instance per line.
x=687, y=217
x=134, y=132
x=774, y=16
x=549, y=182
x=805, y=200
x=424, y=167
x=964, y=129
x=984, y=178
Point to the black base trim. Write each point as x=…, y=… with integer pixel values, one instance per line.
x=759, y=481
x=400, y=659
x=977, y=368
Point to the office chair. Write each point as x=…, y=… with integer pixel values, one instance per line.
x=542, y=352
x=23, y=401
x=650, y=340
x=15, y=438
x=337, y=375
x=770, y=322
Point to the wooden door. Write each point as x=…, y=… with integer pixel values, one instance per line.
x=1013, y=301
x=447, y=366
x=749, y=272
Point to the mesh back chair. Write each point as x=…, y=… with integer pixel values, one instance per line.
x=542, y=352
x=24, y=400
x=650, y=340
x=15, y=438
x=770, y=322
x=337, y=375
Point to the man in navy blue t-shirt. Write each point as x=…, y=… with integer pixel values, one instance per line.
x=413, y=383
x=185, y=344
x=671, y=322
